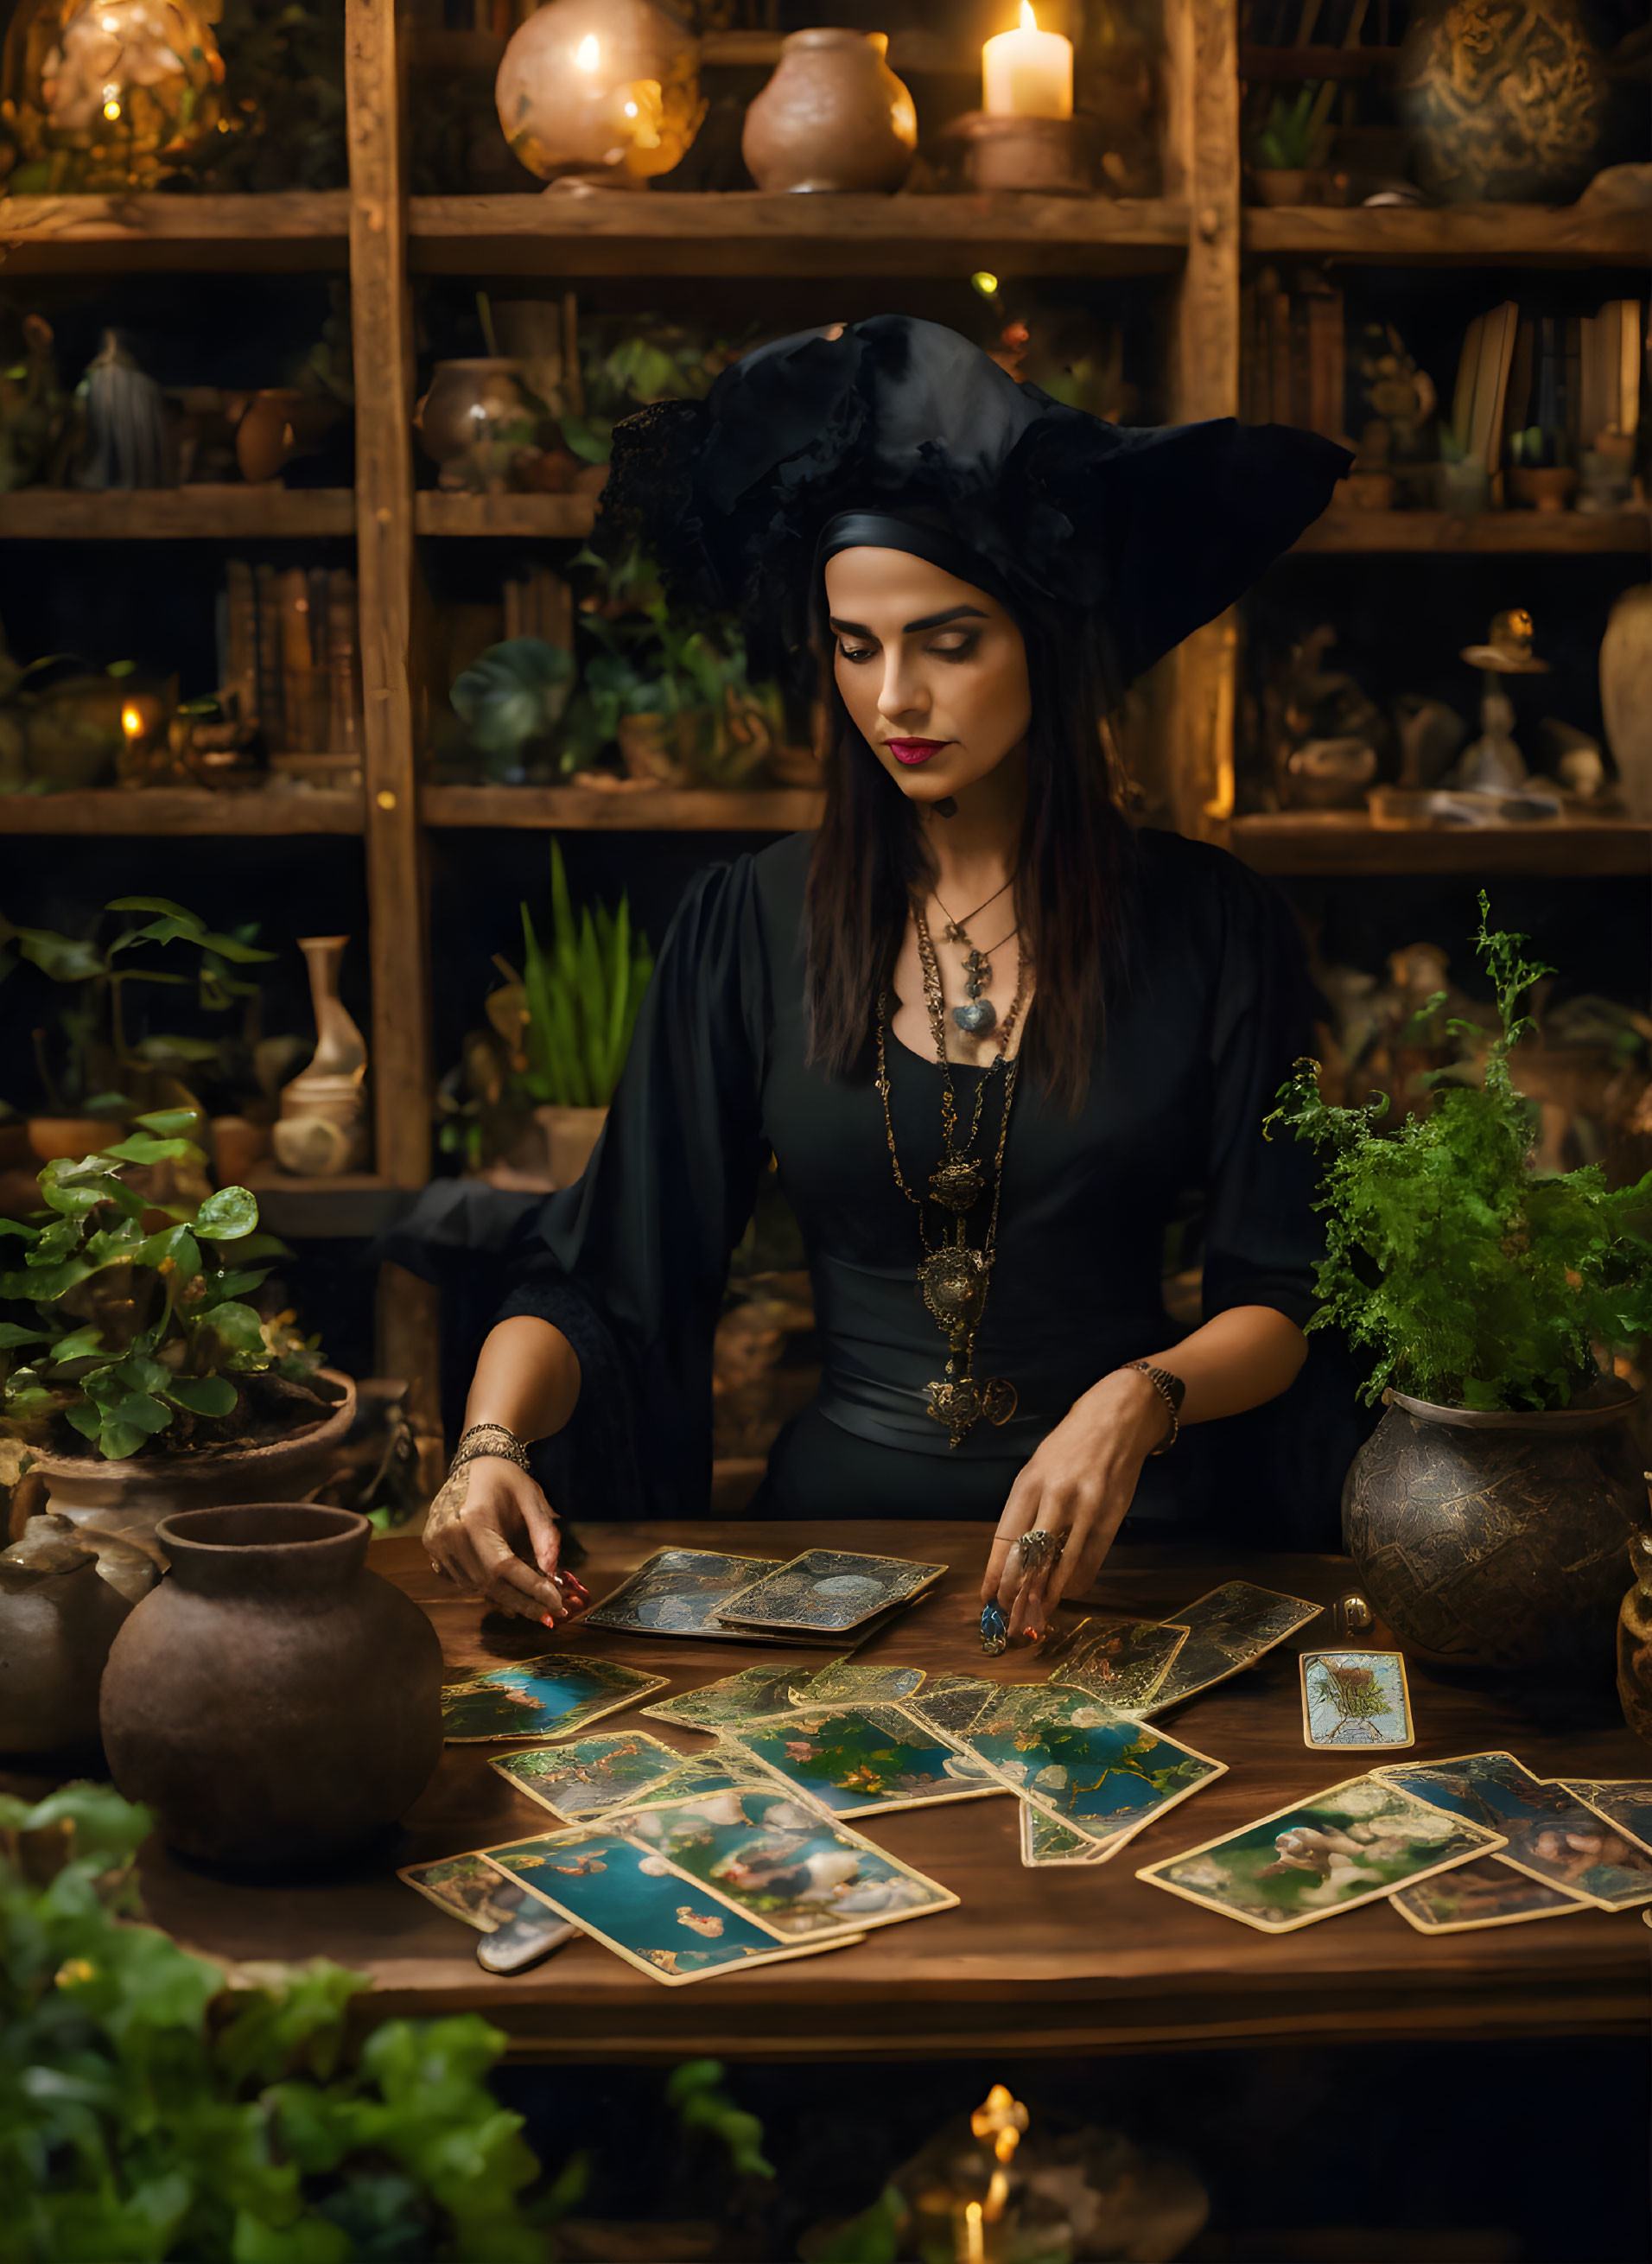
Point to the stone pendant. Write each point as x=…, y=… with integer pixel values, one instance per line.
x=975, y=1017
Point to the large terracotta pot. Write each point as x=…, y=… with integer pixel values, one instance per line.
x=139, y=1493
x=1496, y=1540
x=274, y=1701
x=834, y=116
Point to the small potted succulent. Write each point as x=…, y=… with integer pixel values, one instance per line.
x=1489, y=1511
x=133, y=1370
x=1285, y=153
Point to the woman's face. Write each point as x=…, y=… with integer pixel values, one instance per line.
x=932, y=670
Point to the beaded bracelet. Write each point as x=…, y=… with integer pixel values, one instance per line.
x=1171, y=1390
x=489, y=1439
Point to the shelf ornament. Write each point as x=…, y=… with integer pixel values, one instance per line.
x=600, y=93
x=110, y=96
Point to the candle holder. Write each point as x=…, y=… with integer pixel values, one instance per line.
x=1043, y=156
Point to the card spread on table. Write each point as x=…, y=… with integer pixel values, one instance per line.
x=757, y=1692
x=1490, y=1892
x=950, y=1702
x=1355, y=1698
x=467, y=1887
x=857, y=1760
x=1044, y=1843
x=1228, y=1629
x=1098, y=1772
x=829, y=1591
x=1121, y=1661
x=590, y=1776
x=1551, y=1835
x=623, y=1896
x=1354, y=1843
x=549, y=1697
x=1624, y=1801
x=787, y=1863
x=678, y=1593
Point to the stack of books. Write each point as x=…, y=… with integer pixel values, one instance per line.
x=289, y=656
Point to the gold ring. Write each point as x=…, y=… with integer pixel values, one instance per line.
x=1039, y=1549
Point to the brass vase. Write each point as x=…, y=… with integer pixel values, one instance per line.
x=1494, y=1540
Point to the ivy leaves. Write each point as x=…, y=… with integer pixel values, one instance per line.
x=1477, y=1282
x=194, y=1332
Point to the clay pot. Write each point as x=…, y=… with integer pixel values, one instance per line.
x=238, y=1146
x=266, y=437
x=54, y=1139
x=274, y=1701
x=834, y=116
x=1280, y=184
x=1463, y=488
x=476, y=419
x=57, y=1620
x=570, y=1136
x=1496, y=1540
x=134, y=1496
x=1370, y=490
x=1541, y=486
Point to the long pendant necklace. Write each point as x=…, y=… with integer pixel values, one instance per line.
x=952, y=1276
x=977, y=1015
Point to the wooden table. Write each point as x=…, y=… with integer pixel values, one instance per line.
x=1046, y=1961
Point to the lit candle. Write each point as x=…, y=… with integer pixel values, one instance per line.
x=1027, y=72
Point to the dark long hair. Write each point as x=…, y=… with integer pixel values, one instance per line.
x=1072, y=877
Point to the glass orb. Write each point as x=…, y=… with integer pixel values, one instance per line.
x=600, y=86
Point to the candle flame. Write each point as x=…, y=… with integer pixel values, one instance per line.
x=1029, y=21
x=588, y=55
x=131, y=722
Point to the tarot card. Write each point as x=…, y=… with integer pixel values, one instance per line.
x=592, y=1774
x=1551, y=1835
x=549, y=1697
x=1355, y=1698
x=1625, y=1802
x=678, y=1592
x=950, y=1702
x=624, y=1897
x=467, y=1887
x=1044, y=1843
x=829, y=1591
x=1490, y=1892
x=857, y=1760
x=1354, y=1843
x=750, y=1695
x=845, y=1683
x=786, y=1864
x=700, y=1773
x=1228, y=1629
x=1121, y=1661
x=1098, y=1772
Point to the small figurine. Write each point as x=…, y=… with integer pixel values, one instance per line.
x=1634, y=1639
x=126, y=421
x=994, y=1631
x=1492, y=764
x=36, y=414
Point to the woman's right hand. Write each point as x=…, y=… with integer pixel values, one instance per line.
x=478, y=1526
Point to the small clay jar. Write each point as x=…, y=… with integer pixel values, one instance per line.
x=275, y=1703
x=833, y=117
x=58, y=1617
x=1635, y=1641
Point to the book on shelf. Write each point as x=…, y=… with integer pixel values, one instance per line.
x=1293, y=366
x=291, y=650
x=540, y=605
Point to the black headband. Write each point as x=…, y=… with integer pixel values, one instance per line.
x=920, y=537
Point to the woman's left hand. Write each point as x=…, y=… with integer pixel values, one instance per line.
x=1076, y=1487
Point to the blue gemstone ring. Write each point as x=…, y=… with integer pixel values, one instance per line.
x=995, y=1631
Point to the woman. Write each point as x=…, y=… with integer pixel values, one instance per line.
x=989, y=1039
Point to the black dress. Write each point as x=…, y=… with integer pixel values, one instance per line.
x=632, y=1263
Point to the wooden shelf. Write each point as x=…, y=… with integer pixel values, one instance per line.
x=438, y=48
x=286, y=230
x=1569, y=533
x=620, y=232
x=349, y=1204
x=559, y=517
x=208, y=513
x=1336, y=843
x=583, y=809
x=1409, y=236
x=161, y=809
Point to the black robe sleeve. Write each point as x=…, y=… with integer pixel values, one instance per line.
x=631, y=1262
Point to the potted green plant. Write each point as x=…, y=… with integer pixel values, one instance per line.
x=1284, y=154
x=132, y=1368
x=1488, y=1512
x=559, y=1032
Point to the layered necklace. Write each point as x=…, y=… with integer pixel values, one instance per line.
x=952, y=1273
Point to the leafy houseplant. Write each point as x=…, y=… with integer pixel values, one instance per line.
x=154, y=2106
x=141, y=1332
x=1489, y=1511
x=1477, y=1281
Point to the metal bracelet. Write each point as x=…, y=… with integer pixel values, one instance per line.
x=489, y=1439
x=1170, y=1390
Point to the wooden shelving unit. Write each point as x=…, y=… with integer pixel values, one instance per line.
x=154, y=811
x=203, y=513
x=1195, y=238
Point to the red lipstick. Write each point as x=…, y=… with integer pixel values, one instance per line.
x=914, y=750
